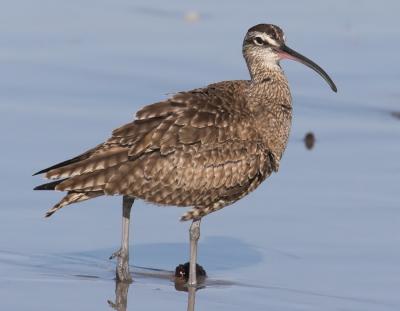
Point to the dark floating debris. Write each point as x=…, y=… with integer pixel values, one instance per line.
x=309, y=140
x=182, y=271
x=395, y=114
x=182, y=276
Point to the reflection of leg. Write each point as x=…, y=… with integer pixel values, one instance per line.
x=122, y=254
x=121, y=296
x=194, y=233
x=191, y=298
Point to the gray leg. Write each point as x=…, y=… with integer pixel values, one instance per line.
x=122, y=254
x=194, y=233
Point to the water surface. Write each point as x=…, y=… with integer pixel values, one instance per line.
x=323, y=234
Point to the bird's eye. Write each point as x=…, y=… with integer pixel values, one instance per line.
x=259, y=41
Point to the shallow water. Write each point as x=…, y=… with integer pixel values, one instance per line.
x=323, y=234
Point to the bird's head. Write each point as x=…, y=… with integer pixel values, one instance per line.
x=264, y=46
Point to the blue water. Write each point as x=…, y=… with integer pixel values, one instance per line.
x=322, y=234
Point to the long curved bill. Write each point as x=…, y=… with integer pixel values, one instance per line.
x=286, y=52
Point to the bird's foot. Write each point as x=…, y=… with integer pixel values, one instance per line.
x=122, y=270
x=116, y=254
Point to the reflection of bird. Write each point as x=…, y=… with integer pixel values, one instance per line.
x=204, y=148
x=122, y=288
x=121, y=296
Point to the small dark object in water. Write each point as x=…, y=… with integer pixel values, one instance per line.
x=395, y=114
x=309, y=140
x=182, y=271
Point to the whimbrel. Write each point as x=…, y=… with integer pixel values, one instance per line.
x=205, y=148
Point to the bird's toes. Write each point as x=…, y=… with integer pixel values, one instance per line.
x=116, y=254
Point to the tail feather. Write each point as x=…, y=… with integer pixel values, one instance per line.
x=49, y=186
x=73, y=197
x=80, y=157
x=88, y=182
x=101, y=160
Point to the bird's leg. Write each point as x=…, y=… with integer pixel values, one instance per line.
x=194, y=233
x=122, y=254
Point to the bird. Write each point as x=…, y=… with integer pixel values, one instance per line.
x=204, y=148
